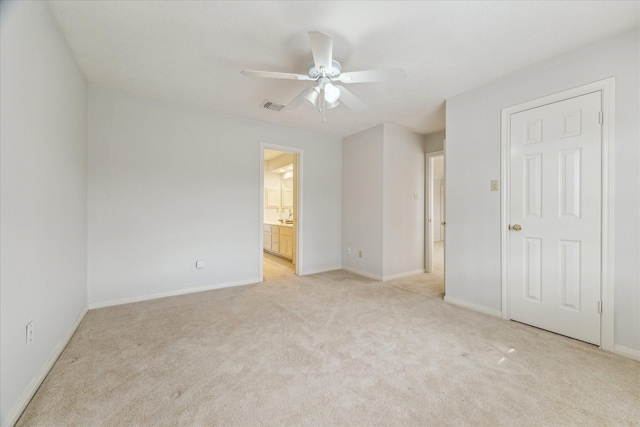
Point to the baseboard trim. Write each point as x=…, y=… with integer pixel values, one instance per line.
x=626, y=352
x=21, y=405
x=475, y=307
x=320, y=270
x=405, y=274
x=362, y=273
x=383, y=278
x=171, y=293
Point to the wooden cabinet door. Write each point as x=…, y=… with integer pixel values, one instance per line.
x=266, y=244
x=286, y=246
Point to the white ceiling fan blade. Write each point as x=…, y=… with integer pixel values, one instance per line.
x=373, y=76
x=322, y=49
x=350, y=100
x=298, y=100
x=274, y=75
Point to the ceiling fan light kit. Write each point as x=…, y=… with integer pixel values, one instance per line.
x=330, y=105
x=326, y=71
x=331, y=93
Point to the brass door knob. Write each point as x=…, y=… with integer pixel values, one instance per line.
x=516, y=227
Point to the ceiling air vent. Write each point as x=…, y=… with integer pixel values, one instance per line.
x=272, y=106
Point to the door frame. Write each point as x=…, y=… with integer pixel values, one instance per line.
x=607, y=87
x=428, y=262
x=297, y=202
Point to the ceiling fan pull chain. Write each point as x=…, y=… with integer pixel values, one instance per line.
x=324, y=108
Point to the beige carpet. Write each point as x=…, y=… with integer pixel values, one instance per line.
x=332, y=349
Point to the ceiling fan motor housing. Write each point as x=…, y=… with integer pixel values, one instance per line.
x=315, y=73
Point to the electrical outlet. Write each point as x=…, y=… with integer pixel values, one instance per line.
x=348, y=251
x=29, y=331
x=495, y=185
x=416, y=196
x=359, y=254
x=200, y=263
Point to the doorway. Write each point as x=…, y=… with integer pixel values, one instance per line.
x=555, y=201
x=280, y=174
x=435, y=230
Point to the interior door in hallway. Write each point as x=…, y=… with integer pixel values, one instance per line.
x=435, y=212
x=555, y=217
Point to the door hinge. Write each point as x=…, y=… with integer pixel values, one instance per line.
x=600, y=117
x=599, y=307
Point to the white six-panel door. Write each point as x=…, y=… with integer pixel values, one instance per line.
x=555, y=217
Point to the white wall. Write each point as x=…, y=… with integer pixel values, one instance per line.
x=362, y=218
x=434, y=142
x=43, y=243
x=382, y=167
x=473, y=159
x=170, y=184
x=403, y=215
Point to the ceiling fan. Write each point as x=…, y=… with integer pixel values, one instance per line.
x=326, y=72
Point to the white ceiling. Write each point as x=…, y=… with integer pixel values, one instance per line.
x=193, y=51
